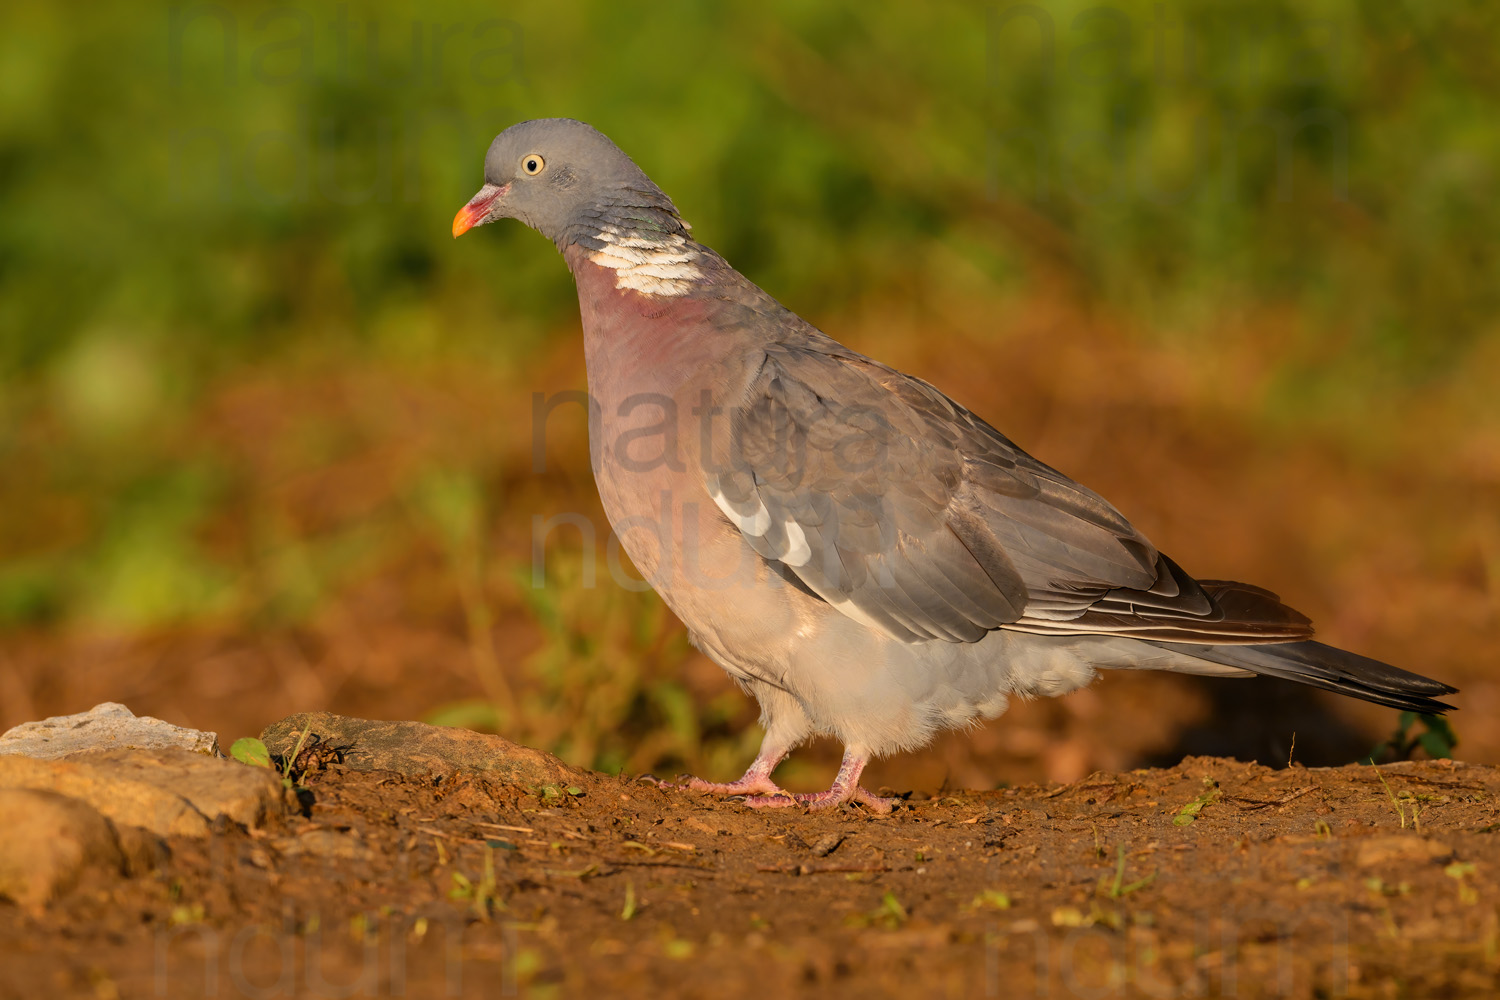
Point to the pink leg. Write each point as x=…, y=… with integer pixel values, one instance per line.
x=845, y=788
x=755, y=781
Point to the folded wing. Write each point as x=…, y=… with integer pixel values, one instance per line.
x=907, y=512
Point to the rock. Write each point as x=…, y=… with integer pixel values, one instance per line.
x=168, y=791
x=103, y=727
x=416, y=749
x=50, y=841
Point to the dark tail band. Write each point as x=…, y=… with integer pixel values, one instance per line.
x=1332, y=669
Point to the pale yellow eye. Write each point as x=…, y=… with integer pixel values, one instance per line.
x=533, y=164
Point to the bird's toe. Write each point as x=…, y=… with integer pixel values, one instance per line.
x=875, y=803
x=779, y=801
x=748, y=785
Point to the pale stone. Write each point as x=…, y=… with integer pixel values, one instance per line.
x=104, y=727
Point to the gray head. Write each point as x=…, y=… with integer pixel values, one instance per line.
x=566, y=180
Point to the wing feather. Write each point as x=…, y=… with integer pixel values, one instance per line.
x=907, y=512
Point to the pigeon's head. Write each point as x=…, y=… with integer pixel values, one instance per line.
x=564, y=179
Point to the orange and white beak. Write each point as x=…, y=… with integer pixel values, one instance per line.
x=479, y=210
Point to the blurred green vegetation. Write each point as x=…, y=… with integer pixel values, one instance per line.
x=203, y=195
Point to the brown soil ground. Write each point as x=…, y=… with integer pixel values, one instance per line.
x=1212, y=878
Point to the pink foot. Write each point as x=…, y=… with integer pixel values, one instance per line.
x=824, y=800
x=748, y=785
x=846, y=788
x=755, y=781
x=757, y=784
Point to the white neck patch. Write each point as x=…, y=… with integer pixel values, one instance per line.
x=650, y=266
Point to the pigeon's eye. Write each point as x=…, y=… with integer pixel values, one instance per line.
x=533, y=163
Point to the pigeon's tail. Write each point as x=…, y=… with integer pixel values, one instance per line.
x=1330, y=668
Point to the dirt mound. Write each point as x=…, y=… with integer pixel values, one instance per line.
x=1209, y=878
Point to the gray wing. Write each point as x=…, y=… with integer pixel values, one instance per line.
x=907, y=512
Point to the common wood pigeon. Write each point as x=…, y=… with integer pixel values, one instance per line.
x=862, y=554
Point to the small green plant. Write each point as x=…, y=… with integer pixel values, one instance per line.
x=251, y=751
x=991, y=899
x=1400, y=802
x=1381, y=887
x=187, y=914
x=290, y=760
x=557, y=794
x=1460, y=871
x=483, y=893
x=890, y=914
x=628, y=911
x=603, y=691
x=1189, y=812
x=586, y=871
x=1119, y=888
x=1436, y=738
x=451, y=504
x=1098, y=916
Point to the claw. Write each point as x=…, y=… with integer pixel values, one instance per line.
x=781, y=801
x=750, y=784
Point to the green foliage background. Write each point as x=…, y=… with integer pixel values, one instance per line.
x=190, y=192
